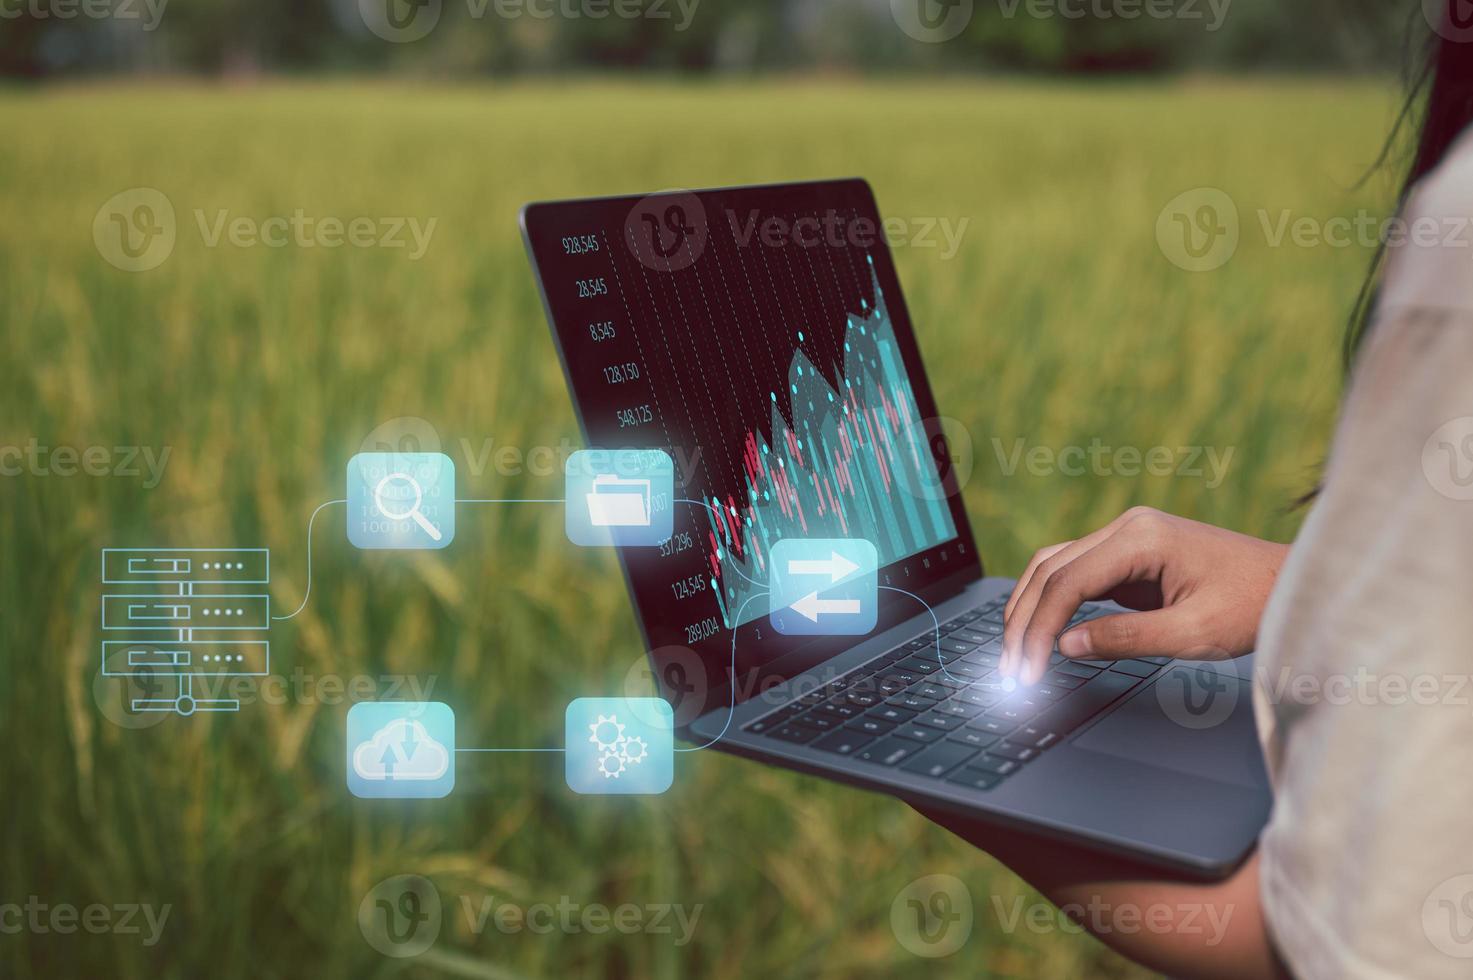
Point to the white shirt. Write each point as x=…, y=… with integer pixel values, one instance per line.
x=1363, y=692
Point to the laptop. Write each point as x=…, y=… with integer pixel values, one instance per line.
x=758, y=335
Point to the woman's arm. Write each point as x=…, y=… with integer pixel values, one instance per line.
x=1186, y=929
x=1198, y=592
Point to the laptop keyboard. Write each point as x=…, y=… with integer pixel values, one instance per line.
x=947, y=715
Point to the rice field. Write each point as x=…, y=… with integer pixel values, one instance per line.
x=214, y=399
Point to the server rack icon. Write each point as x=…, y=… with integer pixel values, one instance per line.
x=189, y=613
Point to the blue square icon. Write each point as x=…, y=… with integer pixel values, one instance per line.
x=824, y=586
x=401, y=500
x=619, y=497
x=401, y=749
x=620, y=746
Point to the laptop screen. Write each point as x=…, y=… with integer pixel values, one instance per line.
x=758, y=336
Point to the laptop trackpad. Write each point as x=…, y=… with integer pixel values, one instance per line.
x=1192, y=720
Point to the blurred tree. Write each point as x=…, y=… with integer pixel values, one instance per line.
x=477, y=37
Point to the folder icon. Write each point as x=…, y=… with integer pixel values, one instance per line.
x=619, y=502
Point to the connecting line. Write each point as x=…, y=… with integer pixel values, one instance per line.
x=511, y=750
x=732, y=711
x=702, y=503
x=936, y=622
x=310, y=521
x=548, y=500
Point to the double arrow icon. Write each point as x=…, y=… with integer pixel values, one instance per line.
x=837, y=568
x=824, y=586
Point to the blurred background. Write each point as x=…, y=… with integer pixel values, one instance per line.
x=206, y=389
x=503, y=38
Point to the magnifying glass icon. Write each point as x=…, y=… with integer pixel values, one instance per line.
x=410, y=513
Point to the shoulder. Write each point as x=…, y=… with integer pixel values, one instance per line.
x=1430, y=245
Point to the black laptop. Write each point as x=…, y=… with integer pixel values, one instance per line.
x=759, y=336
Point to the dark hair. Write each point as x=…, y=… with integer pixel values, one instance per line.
x=1440, y=102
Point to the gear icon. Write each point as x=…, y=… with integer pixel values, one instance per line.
x=611, y=764
x=635, y=750
x=607, y=733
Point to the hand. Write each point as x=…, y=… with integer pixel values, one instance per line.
x=1200, y=589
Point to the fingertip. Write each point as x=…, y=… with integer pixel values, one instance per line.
x=1032, y=673
x=1076, y=643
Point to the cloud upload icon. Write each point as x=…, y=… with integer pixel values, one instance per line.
x=407, y=754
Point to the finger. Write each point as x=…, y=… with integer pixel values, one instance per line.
x=1025, y=594
x=1156, y=633
x=1039, y=557
x=1120, y=558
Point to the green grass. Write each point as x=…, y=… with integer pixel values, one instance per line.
x=262, y=369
